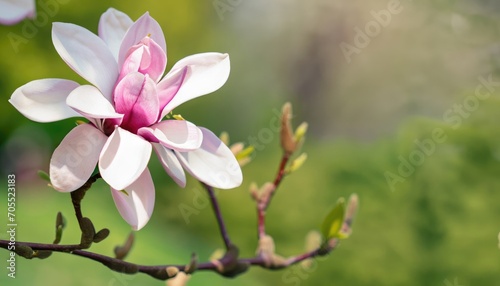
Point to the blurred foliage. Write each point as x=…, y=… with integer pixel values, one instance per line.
x=439, y=223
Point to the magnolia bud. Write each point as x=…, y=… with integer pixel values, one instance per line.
x=286, y=134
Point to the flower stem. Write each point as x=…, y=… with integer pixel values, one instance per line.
x=78, y=195
x=218, y=215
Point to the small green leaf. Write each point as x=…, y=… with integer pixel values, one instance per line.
x=245, y=153
x=60, y=224
x=333, y=221
x=125, y=192
x=44, y=176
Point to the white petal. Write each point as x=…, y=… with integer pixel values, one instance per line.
x=86, y=54
x=137, y=204
x=180, y=135
x=13, y=11
x=90, y=102
x=145, y=26
x=112, y=28
x=171, y=164
x=213, y=163
x=76, y=157
x=44, y=100
x=123, y=158
x=206, y=73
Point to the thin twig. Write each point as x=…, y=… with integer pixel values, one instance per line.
x=218, y=215
x=264, y=204
x=159, y=271
x=78, y=195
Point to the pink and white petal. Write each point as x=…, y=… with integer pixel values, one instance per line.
x=113, y=26
x=144, y=26
x=136, y=202
x=171, y=164
x=14, y=11
x=123, y=158
x=213, y=163
x=147, y=57
x=87, y=55
x=44, y=100
x=76, y=157
x=180, y=135
x=136, y=98
x=206, y=73
x=91, y=103
x=168, y=88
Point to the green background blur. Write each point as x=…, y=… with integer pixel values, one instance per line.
x=436, y=225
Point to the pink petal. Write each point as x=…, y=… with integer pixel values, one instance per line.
x=171, y=164
x=76, y=157
x=112, y=28
x=44, y=100
x=136, y=204
x=213, y=163
x=14, y=11
x=89, y=101
x=86, y=54
x=147, y=57
x=145, y=26
x=136, y=98
x=123, y=158
x=168, y=88
x=180, y=135
x=206, y=73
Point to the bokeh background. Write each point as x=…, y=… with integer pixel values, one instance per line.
x=435, y=224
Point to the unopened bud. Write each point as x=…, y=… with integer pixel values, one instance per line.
x=254, y=191
x=243, y=156
x=172, y=271
x=217, y=254
x=237, y=148
x=88, y=232
x=224, y=137
x=266, y=249
x=178, y=117
x=286, y=134
x=42, y=254
x=300, y=132
x=122, y=251
x=266, y=191
x=297, y=163
x=101, y=235
x=313, y=241
x=193, y=264
x=181, y=279
x=24, y=250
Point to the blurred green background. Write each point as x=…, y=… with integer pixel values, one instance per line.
x=434, y=222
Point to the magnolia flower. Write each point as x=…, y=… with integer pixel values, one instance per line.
x=125, y=105
x=14, y=11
